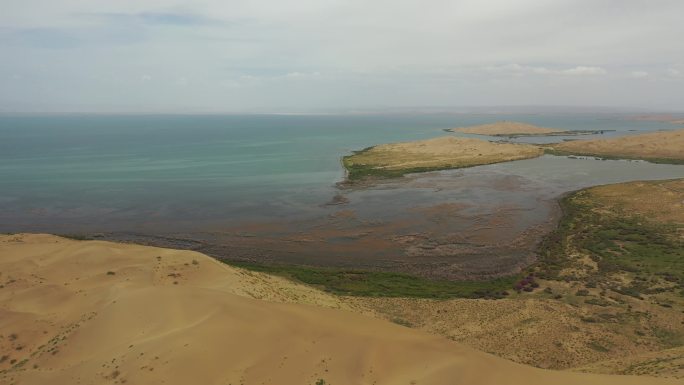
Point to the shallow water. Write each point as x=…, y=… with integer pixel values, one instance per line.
x=114, y=172
x=256, y=187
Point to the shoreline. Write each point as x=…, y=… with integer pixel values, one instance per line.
x=548, y=149
x=542, y=135
x=396, y=283
x=558, y=290
x=393, y=160
x=656, y=147
x=95, y=297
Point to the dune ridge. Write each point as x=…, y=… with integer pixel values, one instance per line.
x=93, y=312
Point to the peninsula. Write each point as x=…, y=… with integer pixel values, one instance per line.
x=657, y=147
x=516, y=129
x=397, y=159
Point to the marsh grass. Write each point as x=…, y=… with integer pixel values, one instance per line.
x=384, y=284
x=358, y=171
x=77, y=237
x=619, y=243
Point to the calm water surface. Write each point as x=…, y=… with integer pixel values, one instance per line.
x=257, y=188
x=120, y=173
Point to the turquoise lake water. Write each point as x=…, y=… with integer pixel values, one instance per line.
x=113, y=172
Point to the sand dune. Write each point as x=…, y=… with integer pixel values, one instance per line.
x=96, y=313
x=668, y=362
x=663, y=145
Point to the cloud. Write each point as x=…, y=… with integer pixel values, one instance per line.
x=67, y=38
x=584, y=71
x=300, y=75
x=152, y=18
x=182, y=81
x=518, y=70
x=639, y=74
x=264, y=55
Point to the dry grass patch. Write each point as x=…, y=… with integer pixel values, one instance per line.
x=397, y=159
x=659, y=147
x=505, y=128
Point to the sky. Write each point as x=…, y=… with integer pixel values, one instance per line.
x=312, y=56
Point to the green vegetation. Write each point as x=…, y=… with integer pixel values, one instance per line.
x=402, y=322
x=356, y=172
x=650, y=254
x=76, y=237
x=669, y=338
x=597, y=302
x=384, y=284
x=553, y=151
x=598, y=347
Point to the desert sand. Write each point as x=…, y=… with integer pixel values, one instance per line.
x=505, y=128
x=669, y=361
x=437, y=153
x=663, y=145
x=93, y=312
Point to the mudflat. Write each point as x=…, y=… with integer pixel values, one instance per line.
x=609, y=297
x=99, y=312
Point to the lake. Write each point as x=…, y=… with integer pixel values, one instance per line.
x=257, y=187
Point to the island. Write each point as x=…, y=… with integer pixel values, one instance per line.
x=516, y=129
x=397, y=159
x=656, y=147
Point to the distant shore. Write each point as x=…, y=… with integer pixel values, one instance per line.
x=656, y=147
x=397, y=159
x=515, y=130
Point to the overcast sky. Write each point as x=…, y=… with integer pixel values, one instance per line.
x=336, y=55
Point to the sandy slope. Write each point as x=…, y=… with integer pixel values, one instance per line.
x=505, y=128
x=663, y=145
x=668, y=362
x=98, y=313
